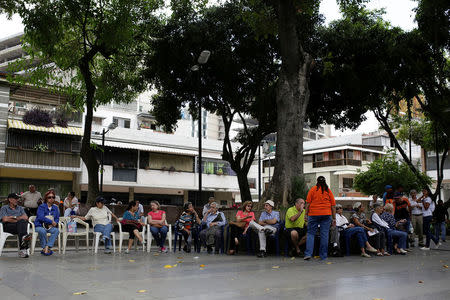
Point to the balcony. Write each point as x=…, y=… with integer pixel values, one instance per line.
x=129, y=175
x=337, y=162
x=38, y=158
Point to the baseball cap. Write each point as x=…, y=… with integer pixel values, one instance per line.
x=13, y=195
x=387, y=187
x=270, y=202
x=100, y=199
x=357, y=205
x=338, y=206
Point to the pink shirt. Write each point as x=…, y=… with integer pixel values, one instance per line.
x=242, y=214
x=156, y=215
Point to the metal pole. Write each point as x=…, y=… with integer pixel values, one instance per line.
x=259, y=173
x=103, y=158
x=199, y=150
x=437, y=156
x=409, y=118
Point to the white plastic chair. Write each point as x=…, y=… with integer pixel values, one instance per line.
x=124, y=235
x=150, y=237
x=80, y=232
x=97, y=236
x=5, y=235
x=35, y=235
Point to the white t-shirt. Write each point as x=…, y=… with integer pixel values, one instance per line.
x=140, y=209
x=428, y=212
x=415, y=210
x=67, y=203
x=98, y=216
x=341, y=221
x=30, y=199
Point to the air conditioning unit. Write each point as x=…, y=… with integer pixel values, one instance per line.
x=76, y=146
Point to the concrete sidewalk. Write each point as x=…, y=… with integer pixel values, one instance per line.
x=418, y=275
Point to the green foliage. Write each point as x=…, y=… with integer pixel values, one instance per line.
x=58, y=34
x=388, y=170
x=422, y=133
x=299, y=189
x=41, y=147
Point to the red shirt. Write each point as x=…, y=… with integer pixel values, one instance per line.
x=241, y=214
x=320, y=202
x=156, y=215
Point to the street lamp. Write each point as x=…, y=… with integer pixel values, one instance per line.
x=202, y=59
x=265, y=147
x=111, y=126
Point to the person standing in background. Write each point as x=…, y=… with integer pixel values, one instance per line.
x=31, y=200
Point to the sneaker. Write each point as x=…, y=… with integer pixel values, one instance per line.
x=107, y=250
x=127, y=251
x=163, y=249
x=307, y=258
x=403, y=251
x=436, y=246
x=25, y=240
x=371, y=249
x=23, y=253
x=261, y=254
x=425, y=248
x=365, y=255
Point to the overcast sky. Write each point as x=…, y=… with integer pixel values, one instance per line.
x=398, y=13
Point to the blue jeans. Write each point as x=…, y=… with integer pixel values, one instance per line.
x=441, y=226
x=313, y=224
x=43, y=236
x=399, y=235
x=427, y=231
x=360, y=235
x=159, y=234
x=106, y=232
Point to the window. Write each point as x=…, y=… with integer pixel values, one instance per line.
x=350, y=154
x=97, y=121
x=335, y=155
x=347, y=183
x=122, y=122
x=318, y=157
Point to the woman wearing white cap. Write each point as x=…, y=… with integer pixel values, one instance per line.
x=269, y=223
x=376, y=238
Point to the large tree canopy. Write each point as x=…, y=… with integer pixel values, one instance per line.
x=89, y=50
x=236, y=83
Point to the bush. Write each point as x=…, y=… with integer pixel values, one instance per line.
x=61, y=120
x=299, y=189
x=38, y=117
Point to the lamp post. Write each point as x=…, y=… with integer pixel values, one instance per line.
x=264, y=145
x=111, y=126
x=202, y=59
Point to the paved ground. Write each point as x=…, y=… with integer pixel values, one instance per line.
x=419, y=275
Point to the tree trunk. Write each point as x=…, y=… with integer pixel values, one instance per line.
x=87, y=154
x=292, y=99
x=244, y=187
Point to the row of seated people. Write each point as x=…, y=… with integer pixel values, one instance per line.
x=15, y=221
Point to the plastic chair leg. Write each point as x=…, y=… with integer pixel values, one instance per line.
x=2, y=243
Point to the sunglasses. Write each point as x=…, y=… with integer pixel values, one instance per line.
x=51, y=197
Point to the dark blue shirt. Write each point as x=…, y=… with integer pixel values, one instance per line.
x=44, y=211
x=388, y=218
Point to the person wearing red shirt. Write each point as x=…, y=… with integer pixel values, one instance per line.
x=320, y=210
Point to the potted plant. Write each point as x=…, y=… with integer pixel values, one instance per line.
x=38, y=117
x=220, y=171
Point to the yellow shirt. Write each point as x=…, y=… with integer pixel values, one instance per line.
x=299, y=223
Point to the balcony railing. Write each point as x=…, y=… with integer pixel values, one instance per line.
x=337, y=162
x=129, y=175
x=31, y=157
